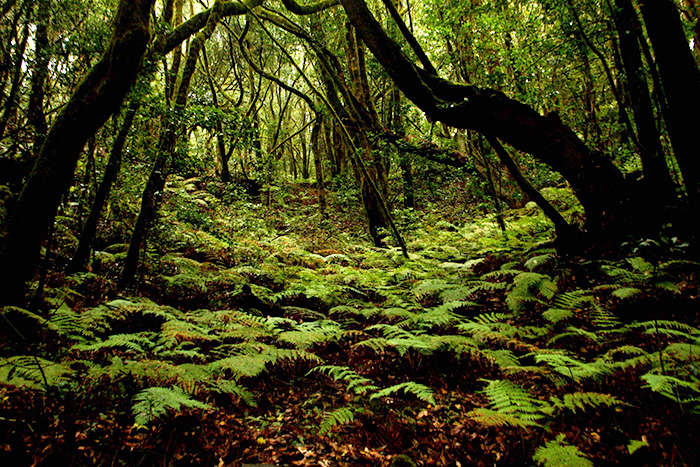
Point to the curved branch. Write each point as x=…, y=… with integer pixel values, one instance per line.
x=410, y=38
x=298, y=9
x=268, y=76
x=166, y=43
x=598, y=184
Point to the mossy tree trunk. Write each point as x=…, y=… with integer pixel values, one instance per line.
x=94, y=100
x=599, y=185
x=153, y=192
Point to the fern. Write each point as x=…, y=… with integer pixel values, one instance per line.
x=676, y=389
x=355, y=382
x=527, y=287
x=438, y=317
x=556, y=453
x=572, y=368
x=224, y=386
x=307, y=334
x=582, y=400
x=539, y=261
x=604, y=319
x=155, y=402
x=625, y=293
x=510, y=405
x=555, y=315
x=137, y=343
x=33, y=372
x=340, y=416
x=489, y=327
x=422, y=392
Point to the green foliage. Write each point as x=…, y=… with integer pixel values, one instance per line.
x=530, y=287
x=152, y=403
x=355, y=382
x=556, y=453
x=25, y=371
x=339, y=416
x=422, y=392
x=583, y=400
x=510, y=405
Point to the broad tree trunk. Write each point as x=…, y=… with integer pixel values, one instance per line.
x=656, y=173
x=95, y=99
x=680, y=78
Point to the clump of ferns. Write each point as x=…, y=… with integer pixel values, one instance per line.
x=511, y=405
x=635, y=275
x=367, y=397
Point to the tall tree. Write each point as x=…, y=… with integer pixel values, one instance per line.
x=97, y=97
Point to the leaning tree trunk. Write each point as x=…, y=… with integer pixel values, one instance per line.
x=95, y=99
x=598, y=184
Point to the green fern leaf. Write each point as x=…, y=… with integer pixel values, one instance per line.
x=340, y=416
x=422, y=392
x=355, y=382
x=556, y=453
x=155, y=402
x=583, y=400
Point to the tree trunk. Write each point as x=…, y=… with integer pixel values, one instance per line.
x=87, y=236
x=318, y=163
x=598, y=184
x=95, y=99
x=35, y=108
x=656, y=173
x=680, y=78
x=153, y=192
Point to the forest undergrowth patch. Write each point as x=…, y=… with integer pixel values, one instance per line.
x=472, y=351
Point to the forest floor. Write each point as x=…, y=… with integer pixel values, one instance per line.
x=269, y=336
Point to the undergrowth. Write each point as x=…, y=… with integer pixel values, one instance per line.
x=470, y=330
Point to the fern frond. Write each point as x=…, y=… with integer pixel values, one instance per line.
x=539, y=261
x=137, y=343
x=556, y=453
x=574, y=331
x=625, y=293
x=225, y=386
x=526, y=288
x=355, y=382
x=307, y=334
x=604, y=319
x=582, y=400
x=573, y=300
x=572, y=368
x=155, y=402
x=487, y=417
x=421, y=391
x=667, y=327
x=180, y=331
x=519, y=407
x=555, y=315
x=33, y=372
x=339, y=416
